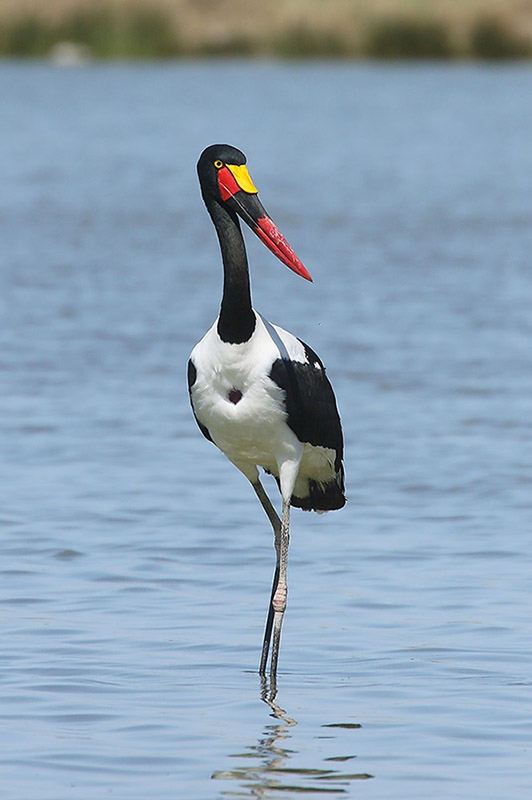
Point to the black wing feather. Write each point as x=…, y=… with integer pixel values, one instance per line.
x=313, y=416
x=310, y=402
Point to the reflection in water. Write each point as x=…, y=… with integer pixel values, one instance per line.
x=266, y=762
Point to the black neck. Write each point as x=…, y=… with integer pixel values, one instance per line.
x=236, y=322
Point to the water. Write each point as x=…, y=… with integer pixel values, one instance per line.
x=136, y=562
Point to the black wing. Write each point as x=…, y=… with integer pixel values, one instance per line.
x=313, y=416
x=310, y=402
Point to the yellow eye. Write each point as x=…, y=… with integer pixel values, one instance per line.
x=218, y=164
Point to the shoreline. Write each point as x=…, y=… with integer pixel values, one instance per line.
x=124, y=29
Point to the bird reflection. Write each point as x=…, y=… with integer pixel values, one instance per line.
x=266, y=764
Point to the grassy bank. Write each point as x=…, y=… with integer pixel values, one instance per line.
x=381, y=29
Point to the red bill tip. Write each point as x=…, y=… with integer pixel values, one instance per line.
x=275, y=241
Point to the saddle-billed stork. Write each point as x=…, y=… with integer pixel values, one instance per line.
x=257, y=392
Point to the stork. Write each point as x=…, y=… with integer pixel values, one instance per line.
x=257, y=392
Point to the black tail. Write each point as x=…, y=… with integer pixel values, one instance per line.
x=323, y=497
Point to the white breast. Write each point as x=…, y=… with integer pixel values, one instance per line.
x=253, y=430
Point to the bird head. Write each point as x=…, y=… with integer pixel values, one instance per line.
x=224, y=178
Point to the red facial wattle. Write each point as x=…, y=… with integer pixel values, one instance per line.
x=227, y=183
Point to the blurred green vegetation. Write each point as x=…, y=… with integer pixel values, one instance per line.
x=408, y=38
x=143, y=32
x=491, y=39
x=104, y=32
x=302, y=41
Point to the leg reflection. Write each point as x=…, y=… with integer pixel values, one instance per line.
x=265, y=768
x=260, y=779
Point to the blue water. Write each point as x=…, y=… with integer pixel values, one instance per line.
x=136, y=562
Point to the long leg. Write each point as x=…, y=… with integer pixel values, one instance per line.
x=269, y=625
x=276, y=525
x=281, y=590
x=288, y=470
x=268, y=507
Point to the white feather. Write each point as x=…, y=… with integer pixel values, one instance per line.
x=254, y=430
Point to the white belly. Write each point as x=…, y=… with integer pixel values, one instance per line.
x=253, y=430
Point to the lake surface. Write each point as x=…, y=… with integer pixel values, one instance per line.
x=135, y=561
